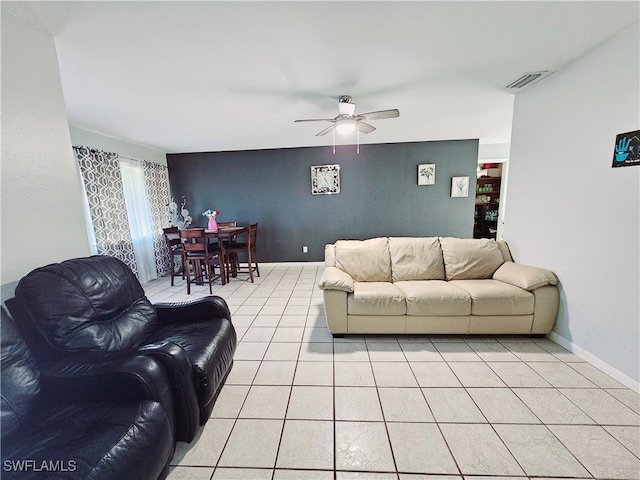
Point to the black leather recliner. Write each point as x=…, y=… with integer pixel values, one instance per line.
x=94, y=307
x=94, y=421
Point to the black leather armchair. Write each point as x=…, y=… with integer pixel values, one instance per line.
x=95, y=421
x=95, y=308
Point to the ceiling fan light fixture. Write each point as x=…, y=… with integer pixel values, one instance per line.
x=347, y=108
x=345, y=126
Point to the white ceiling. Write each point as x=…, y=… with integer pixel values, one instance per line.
x=213, y=76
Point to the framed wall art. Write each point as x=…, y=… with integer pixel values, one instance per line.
x=459, y=186
x=627, y=149
x=325, y=179
x=427, y=174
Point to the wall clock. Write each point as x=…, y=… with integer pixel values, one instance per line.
x=325, y=179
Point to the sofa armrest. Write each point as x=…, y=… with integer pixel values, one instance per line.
x=204, y=308
x=335, y=279
x=524, y=276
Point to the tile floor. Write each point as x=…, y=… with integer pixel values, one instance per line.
x=300, y=405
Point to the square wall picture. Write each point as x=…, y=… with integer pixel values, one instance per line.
x=325, y=179
x=427, y=174
x=459, y=186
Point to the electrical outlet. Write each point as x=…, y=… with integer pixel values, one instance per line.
x=305, y=249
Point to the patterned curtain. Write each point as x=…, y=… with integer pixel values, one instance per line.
x=156, y=185
x=103, y=185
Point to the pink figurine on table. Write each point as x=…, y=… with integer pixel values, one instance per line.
x=212, y=214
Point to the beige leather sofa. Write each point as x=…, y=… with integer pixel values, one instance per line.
x=434, y=285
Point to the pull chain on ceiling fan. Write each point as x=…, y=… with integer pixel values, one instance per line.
x=345, y=132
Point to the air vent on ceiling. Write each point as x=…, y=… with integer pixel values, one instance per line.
x=527, y=79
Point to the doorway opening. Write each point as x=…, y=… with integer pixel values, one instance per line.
x=488, y=218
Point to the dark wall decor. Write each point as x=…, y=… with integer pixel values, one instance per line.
x=378, y=193
x=627, y=149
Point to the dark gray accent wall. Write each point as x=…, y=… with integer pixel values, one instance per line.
x=379, y=196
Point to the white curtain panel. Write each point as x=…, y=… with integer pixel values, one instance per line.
x=140, y=223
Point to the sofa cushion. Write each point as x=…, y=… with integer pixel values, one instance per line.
x=329, y=255
x=364, y=260
x=20, y=377
x=210, y=344
x=492, y=297
x=524, y=276
x=435, y=298
x=466, y=258
x=504, y=249
x=416, y=258
x=114, y=440
x=376, y=298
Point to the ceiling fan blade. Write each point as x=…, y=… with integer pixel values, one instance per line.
x=325, y=131
x=365, y=127
x=380, y=114
x=316, y=120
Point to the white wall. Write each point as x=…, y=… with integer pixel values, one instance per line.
x=42, y=218
x=87, y=138
x=489, y=152
x=569, y=211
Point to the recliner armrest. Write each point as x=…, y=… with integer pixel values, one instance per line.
x=212, y=306
x=130, y=377
x=335, y=279
x=524, y=276
x=177, y=365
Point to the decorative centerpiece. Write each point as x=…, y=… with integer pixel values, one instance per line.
x=212, y=214
x=179, y=215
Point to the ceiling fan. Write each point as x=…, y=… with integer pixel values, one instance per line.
x=347, y=121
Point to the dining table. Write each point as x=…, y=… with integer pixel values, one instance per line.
x=226, y=232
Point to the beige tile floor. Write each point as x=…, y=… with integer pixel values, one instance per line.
x=300, y=405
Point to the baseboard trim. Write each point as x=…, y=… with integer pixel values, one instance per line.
x=289, y=264
x=596, y=362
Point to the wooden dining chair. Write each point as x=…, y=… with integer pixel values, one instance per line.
x=233, y=250
x=201, y=258
x=174, y=245
x=233, y=257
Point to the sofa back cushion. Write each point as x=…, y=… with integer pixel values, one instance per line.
x=330, y=255
x=93, y=303
x=467, y=259
x=504, y=249
x=20, y=377
x=416, y=258
x=364, y=260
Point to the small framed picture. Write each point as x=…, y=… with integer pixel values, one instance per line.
x=459, y=186
x=627, y=149
x=427, y=174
